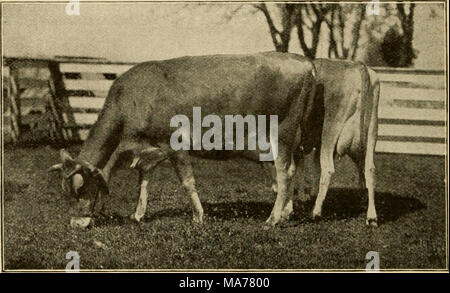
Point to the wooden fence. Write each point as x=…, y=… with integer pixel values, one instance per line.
x=85, y=86
x=26, y=95
x=412, y=111
x=10, y=112
x=412, y=108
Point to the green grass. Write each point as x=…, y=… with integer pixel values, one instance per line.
x=237, y=199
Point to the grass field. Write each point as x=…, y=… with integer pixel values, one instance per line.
x=237, y=199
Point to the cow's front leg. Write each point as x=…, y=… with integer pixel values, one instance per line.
x=270, y=167
x=143, y=197
x=183, y=168
x=145, y=161
x=282, y=166
x=289, y=207
x=107, y=172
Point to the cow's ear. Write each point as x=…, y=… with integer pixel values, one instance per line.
x=148, y=158
x=65, y=156
x=70, y=169
x=55, y=167
x=69, y=165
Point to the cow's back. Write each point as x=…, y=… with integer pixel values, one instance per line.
x=265, y=84
x=346, y=96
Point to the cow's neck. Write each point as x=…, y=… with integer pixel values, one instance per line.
x=103, y=139
x=95, y=153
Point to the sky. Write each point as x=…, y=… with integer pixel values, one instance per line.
x=137, y=32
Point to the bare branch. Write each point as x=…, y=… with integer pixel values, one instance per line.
x=301, y=35
x=273, y=30
x=356, y=32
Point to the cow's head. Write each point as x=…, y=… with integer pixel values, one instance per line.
x=83, y=182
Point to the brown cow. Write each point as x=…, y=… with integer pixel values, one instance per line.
x=349, y=93
x=135, y=121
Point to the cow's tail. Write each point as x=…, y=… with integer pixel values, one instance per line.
x=366, y=108
x=308, y=95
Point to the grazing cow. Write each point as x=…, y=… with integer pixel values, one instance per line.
x=347, y=95
x=135, y=121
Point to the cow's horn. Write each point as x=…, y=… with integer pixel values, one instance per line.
x=134, y=163
x=65, y=156
x=86, y=164
x=55, y=167
x=75, y=170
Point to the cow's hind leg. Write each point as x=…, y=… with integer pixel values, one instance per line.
x=183, y=168
x=327, y=170
x=370, y=183
x=145, y=161
x=289, y=206
x=370, y=180
x=358, y=159
x=270, y=168
x=282, y=166
x=366, y=172
x=315, y=172
x=294, y=182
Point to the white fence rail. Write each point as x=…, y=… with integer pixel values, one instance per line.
x=10, y=111
x=412, y=111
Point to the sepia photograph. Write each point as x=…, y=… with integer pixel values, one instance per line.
x=224, y=136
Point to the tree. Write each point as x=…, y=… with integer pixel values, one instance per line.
x=337, y=22
x=390, y=36
x=310, y=17
x=407, y=54
x=307, y=18
x=282, y=37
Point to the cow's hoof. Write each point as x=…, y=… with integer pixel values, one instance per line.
x=373, y=222
x=316, y=217
x=268, y=225
x=196, y=219
x=285, y=218
x=134, y=219
x=270, y=222
x=286, y=215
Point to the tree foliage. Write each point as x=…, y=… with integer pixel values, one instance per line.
x=342, y=28
x=344, y=25
x=307, y=19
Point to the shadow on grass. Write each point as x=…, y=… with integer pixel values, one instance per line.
x=27, y=261
x=116, y=219
x=31, y=142
x=12, y=188
x=340, y=204
x=345, y=203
